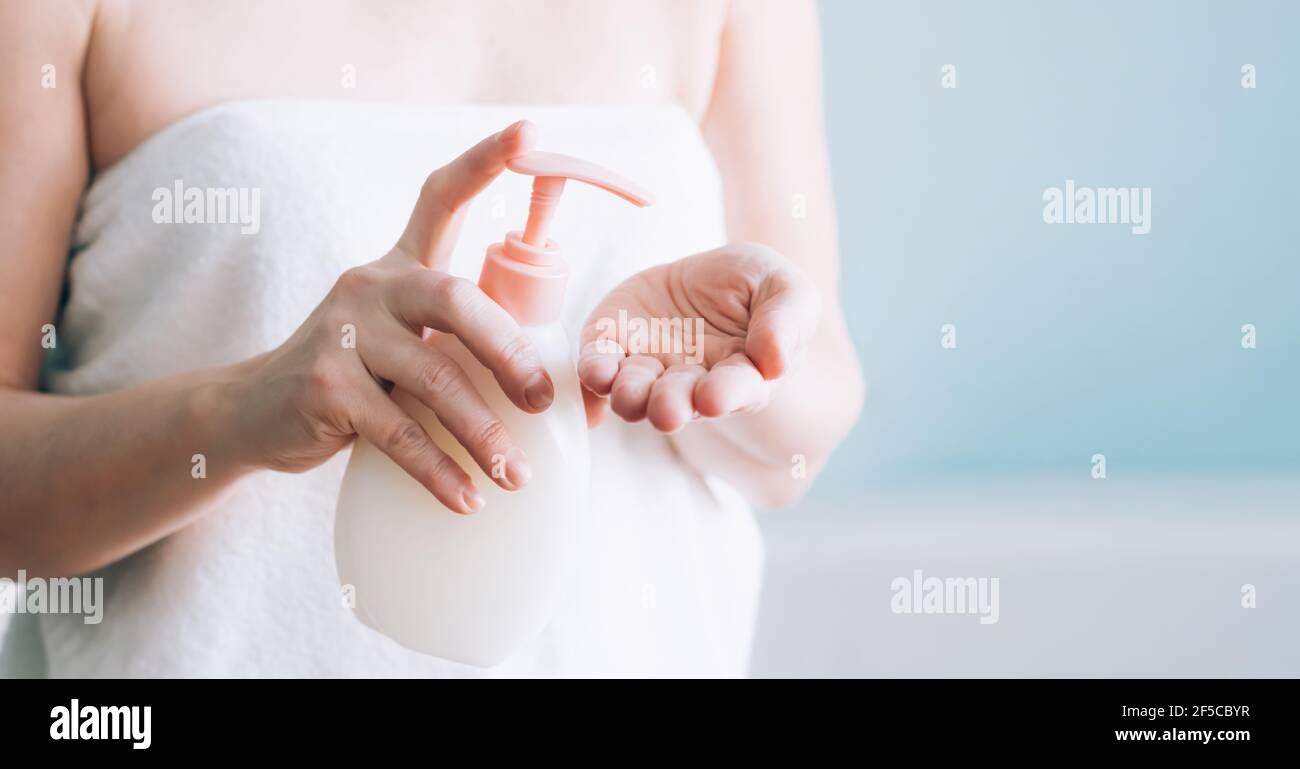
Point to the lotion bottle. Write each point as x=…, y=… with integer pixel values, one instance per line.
x=475, y=588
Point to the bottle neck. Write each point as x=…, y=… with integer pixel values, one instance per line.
x=527, y=281
x=541, y=208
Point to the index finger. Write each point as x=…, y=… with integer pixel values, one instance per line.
x=430, y=232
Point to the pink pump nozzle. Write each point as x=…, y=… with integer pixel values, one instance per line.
x=550, y=171
x=525, y=274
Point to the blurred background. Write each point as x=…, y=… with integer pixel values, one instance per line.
x=1072, y=340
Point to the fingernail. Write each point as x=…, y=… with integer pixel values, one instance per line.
x=473, y=501
x=539, y=392
x=511, y=130
x=518, y=471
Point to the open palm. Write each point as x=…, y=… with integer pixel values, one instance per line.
x=711, y=334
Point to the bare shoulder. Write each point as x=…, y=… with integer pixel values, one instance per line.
x=42, y=141
x=50, y=27
x=47, y=14
x=42, y=53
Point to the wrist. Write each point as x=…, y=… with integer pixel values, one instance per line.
x=218, y=409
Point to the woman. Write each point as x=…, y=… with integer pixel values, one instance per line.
x=167, y=347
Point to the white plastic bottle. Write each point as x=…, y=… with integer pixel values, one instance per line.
x=474, y=588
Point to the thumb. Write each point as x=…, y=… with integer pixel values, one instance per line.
x=783, y=320
x=431, y=232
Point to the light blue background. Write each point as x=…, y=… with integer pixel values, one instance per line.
x=1072, y=339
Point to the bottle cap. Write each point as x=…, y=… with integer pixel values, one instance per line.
x=526, y=273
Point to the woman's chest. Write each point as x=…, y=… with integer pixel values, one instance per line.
x=151, y=63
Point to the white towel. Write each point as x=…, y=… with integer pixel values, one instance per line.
x=250, y=589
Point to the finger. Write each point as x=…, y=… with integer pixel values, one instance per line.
x=783, y=319
x=598, y=363
x=393, y=431
x=732, y=384
x=597, y=408
x=441, y=384
x=671, y=403
x=631, y=389
x=430, y=233
x=458, y=307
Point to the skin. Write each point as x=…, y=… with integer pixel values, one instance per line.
x=780, y=379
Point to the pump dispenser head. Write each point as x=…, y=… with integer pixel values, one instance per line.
x=526, y=274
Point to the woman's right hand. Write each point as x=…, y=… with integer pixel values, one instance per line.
x=308, y=398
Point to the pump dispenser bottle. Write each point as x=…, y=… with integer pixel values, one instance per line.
x=475, y=588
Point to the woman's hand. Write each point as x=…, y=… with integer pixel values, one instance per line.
x=307, y=399
x=738, y=318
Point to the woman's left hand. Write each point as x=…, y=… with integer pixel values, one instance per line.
x=711, y=335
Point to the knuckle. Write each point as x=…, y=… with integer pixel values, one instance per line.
x=407, y=437
x=518, y=353
x=490, y=433
x=440, y=376
x=454, y=292
x=357, y=279
x=322, y=376
x=445, y=470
